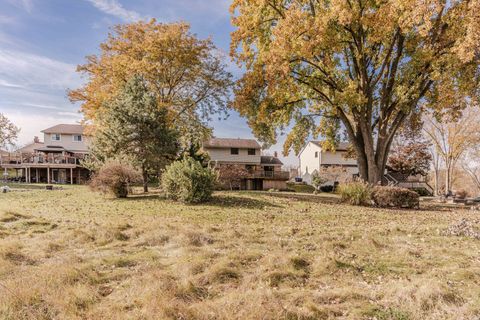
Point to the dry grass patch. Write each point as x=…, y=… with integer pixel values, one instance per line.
x=72, y=254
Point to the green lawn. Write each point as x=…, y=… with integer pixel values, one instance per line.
x=74, y=254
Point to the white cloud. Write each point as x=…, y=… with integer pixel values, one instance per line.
x=114, y=8
x=36, y=71
x=33, y=124
x=7, y=84
x=27, y=5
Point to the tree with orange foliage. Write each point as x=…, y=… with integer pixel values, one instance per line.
x=186, y=74
x=359, y=67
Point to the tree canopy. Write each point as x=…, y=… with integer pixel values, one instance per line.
x=135, y=126
x=358, y=67
x=187, y=74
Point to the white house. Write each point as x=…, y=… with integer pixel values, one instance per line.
x=313, y=158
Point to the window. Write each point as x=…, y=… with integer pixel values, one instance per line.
x=234, y=151
x=251, y=152
x=56, y=137
x=316, y=154
x=77, y=138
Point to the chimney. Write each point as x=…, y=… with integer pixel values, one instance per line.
x=36, y=140
x=275, y=154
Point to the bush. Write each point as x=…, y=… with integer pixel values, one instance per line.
x=395, y=197
x=188, y=181
x=355, y=193
x=422, y=192
x=461, y=194
x=116, y=178
x=300, y=187
x=327, y=188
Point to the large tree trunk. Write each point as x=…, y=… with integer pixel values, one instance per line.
x=371, y=164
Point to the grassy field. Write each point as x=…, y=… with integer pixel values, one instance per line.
x=74, y=254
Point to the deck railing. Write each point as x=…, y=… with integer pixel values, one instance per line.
x=32, y=158
x=276, y=175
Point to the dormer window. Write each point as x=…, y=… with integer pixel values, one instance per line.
x=251, y=152
x=234, y=151
x=77, y=138
x=56, y=137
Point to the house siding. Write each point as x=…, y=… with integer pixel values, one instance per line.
x=67, y=142
x=308, y=163
x=223, y=155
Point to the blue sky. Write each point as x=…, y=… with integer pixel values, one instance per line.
x=42, y=41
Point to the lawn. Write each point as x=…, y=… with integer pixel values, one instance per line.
x=74, y=254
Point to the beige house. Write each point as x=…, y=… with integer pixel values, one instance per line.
x=313, y=158
x=55, y=160
x=265, y=171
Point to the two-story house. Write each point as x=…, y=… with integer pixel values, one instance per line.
x=55, y=160
x=265, y=171
x=313, y=158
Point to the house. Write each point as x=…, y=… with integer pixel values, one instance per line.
x=55, y=160
x=313, y=158
x=265, y=172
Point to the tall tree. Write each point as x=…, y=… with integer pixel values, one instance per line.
x=451, y=138
x=362, y=67
x=187, y=74
x=8, y=132
x=135, y=126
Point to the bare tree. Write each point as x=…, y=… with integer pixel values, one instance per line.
x=451, y=138
x=8, y=132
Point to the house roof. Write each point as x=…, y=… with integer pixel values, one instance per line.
x=51, y=149
x=231, y=143
x=30, y=147
x=342, y=146
x=65, y=128
x=270, y=160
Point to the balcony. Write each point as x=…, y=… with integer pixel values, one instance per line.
x=274, y=175
x=38, y=159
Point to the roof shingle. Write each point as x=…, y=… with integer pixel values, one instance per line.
x=231, y=143
x=65, y=128
x=270, y=160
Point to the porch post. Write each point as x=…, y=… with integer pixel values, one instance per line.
x=48, y=175
x=36, y=175
x=27, y=178
x=71, y=176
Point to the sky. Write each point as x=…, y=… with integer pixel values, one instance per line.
x=42, y=42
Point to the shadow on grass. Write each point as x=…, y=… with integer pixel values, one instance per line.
x=227, y=201
x=320, y=198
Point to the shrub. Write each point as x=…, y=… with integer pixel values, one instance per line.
x=422, y=192
x=116, y=178
x=188, y=181
x=327, y=188
x=395, y=197
x=461, y=194
x=355, y=193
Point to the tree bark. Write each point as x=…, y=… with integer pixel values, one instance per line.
x=145, y=180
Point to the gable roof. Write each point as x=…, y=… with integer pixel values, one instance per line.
x=342, y=146
x=270, y=160
x=30, y=147
x=231, y=143
x=65, y=128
